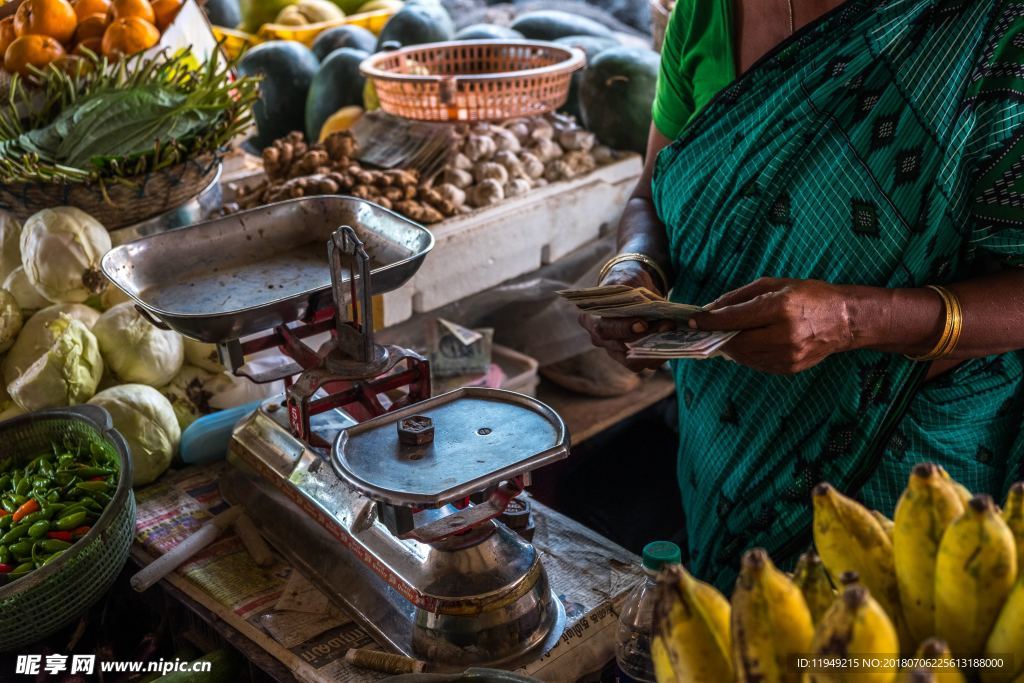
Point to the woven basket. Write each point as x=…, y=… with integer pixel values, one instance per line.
x=473, y=80
x=53, y=596
x=124, y=204
x=661, y=10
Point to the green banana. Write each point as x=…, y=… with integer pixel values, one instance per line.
x=812, y=579
x=1013, y=515
x=974, y=572
x=1007, y=638
x=771, y=624
x=928, y=505
x=936, y=649
x=855, y=627
x=691, y=641
x=849, y=538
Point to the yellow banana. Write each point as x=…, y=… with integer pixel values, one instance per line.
x=962, y=491
x=812, y=579
x=771, y=624
x=855, y=627
x=888, y=526
x=1013, y=515
x=928, y=505
x=944, y=671
x=1007, y=638
x=691, y=641
x=974, y=572
x=849, y=538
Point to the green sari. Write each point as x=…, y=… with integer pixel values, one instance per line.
x=881, y=145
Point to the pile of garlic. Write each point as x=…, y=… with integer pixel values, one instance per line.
x=492, y=162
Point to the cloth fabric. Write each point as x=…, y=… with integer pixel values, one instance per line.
x=696, y=62
x=880, y=145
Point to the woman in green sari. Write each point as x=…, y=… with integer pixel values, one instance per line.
x=845, y=182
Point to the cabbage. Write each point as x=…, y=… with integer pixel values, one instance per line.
x=194, y=392
x=61, y=250
x=112, y=296
x=28, y=298
x=35, y=337
x=203, y=355
x=135, y=349
x=10, y=320
x=67, y=374
x=10, y=248
x=144, y=417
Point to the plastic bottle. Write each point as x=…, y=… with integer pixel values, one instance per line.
x=633, y=638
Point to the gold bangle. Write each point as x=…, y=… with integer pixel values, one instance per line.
x=635, y=256
x=951, y=329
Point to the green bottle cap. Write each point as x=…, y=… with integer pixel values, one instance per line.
x=660, y=553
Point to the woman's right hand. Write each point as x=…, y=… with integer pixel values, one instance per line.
x=612, y=334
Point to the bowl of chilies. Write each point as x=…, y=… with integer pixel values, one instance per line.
x=67, y=517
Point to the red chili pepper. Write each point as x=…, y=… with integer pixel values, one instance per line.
x=27, y=508
x=4, y=513
x=80, y=531
x=5, y=568
x=97, y=478
x=59, y=535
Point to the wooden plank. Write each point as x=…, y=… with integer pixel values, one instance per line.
x=586, y=416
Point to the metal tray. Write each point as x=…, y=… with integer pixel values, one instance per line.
x=245, y=273
x=481, y=438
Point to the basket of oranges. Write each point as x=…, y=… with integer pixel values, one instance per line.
x=42, y=32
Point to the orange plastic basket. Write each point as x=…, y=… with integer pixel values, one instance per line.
x=473, y=80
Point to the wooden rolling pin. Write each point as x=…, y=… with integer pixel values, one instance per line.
x=179, y=554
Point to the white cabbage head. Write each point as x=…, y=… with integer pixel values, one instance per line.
x=10, y=320
x=27, y=296
x=146, y=420
x=66, y=374
x=10, y=244
x=61, y=250
x=203, y=355
x=194, y=392
x=36, y=338
x=135, y=349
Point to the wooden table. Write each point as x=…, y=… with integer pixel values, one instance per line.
x=586, y=416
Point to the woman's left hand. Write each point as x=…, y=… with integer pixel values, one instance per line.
x=786, y=326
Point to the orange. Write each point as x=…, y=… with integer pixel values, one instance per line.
x=91, y=26
x=126, y=9
x=95, y=45
x=84, y=8
x=165, y=11
x=127, y=36
x=34, y=50
x=7, y=34
x=54, y=18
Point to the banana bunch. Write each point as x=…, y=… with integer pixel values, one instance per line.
x=855, y=626
x=691, y=642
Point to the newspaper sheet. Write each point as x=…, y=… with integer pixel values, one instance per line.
x=283, y=613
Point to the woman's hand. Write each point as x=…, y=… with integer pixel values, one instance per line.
x=612, y=334
x=787, y=326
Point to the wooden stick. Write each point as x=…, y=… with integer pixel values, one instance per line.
x=253, y=542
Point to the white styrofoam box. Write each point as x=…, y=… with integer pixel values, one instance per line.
x=485, y=248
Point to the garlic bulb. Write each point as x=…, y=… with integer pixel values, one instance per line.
x=61, y=250
x=532, y=167
x=489, y=170
x=488, y=192
x=479, y=147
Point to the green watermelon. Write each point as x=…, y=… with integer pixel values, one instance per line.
x=415, y=24
x=553, y=24
x=287, y=68
x=223, y=13
x=488, y=32
x=616, y=95
x=337, y=84
x=591, y=46
x=347, y=35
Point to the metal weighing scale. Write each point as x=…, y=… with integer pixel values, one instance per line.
x=394, y=516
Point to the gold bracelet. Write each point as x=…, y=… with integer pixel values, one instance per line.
x=635, y=256
x=950, y=330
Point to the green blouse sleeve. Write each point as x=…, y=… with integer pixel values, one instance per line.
x=696, y=62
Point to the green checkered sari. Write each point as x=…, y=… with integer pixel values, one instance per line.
x=881, y=145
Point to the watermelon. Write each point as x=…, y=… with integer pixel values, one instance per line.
x=591, y=46
x=488, y=32
x=337, y=84
x=553, y=24
x=417, y=23
x=223, y=13
x=287, y=68
x=616, y=95
x=347, y=35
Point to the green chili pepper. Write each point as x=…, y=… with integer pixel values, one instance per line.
x=39, y=529
x=51, y=558
x=21, y=570
x=52, y=545
x=6, y=464
x=17, y=500
x=6, y=521
x=101, y=497
x=66, y=460
x=91, y=471
x=15, y=533
x=5, y=481
x=92, y=486
x=66, y=522
x=5, y=555
x=21, y=548
x=23, y=486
